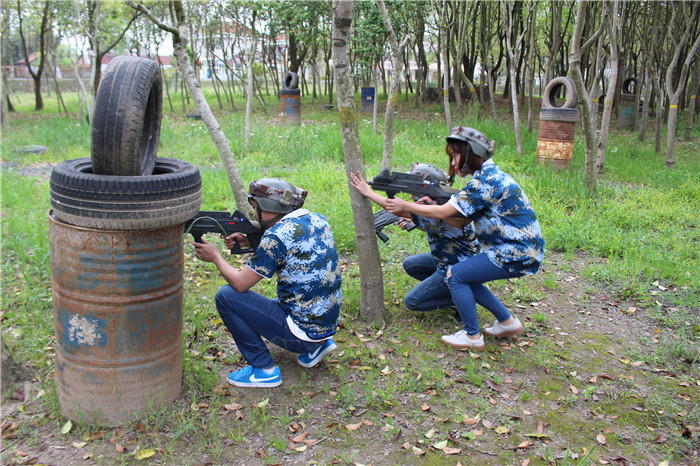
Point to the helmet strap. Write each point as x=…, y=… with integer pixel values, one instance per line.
x=264, y=225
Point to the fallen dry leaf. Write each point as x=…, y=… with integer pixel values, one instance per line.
x=601, y=439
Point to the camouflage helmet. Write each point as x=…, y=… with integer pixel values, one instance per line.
x=276, y=195
x=429, y=172
x=479, y=144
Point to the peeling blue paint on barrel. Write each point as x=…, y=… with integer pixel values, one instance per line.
x=291, y=105
x=117, y=304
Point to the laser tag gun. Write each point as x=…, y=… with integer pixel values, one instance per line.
x=384, y=218
x=224, y=223
x=397, y=182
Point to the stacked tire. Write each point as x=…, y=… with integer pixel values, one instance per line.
x=558, y=124
x=116, y=240
x=290, y=99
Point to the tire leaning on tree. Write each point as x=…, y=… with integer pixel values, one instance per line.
x=127, y=118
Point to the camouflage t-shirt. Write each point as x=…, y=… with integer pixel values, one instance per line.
x=448, y=244
x=301, y=250
x=505, y=223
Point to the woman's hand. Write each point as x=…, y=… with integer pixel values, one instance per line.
x=426, y=200
x=359, y=183
x=396, y=206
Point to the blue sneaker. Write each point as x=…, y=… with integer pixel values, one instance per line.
x=251, y=376
x=316, y=356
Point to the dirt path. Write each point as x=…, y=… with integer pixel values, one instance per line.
x=593, y=372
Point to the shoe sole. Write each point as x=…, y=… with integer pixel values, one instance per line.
x=254, y=384
x=319, y=358
x=507, y=333
x=477, y=348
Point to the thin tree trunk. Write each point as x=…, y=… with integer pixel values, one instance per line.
x=179, y=34
x=397, y=52
x=249, y=93
x=530, y=77
x=371, y=284
x=695, y=88
x=612, y=24
x=587, y=110
x=674, y=96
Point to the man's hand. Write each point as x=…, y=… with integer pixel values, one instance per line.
x=206, y=251
x=237, y=238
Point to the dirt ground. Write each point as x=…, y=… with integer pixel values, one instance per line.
x=577, y=380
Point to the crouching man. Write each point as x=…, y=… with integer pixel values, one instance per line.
x=298, y=246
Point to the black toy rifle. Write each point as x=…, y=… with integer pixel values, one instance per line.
x=397, y=182
x=384, y=218
x=224, y=223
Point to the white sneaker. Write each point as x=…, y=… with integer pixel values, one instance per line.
x=461, y=341
x=499, y=330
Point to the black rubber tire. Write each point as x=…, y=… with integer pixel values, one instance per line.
x=550, y=92
x=170, y=196
x=626, y=86
x=128, y=114
x=290, y=91
x=560, y=114
x=291, y=81
x=194, y=116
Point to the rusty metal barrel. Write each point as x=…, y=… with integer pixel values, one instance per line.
x=555, y=145
x=291, y=105
x=117, y=298
x=628, y=104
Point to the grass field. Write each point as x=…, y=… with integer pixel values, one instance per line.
x=608, y=366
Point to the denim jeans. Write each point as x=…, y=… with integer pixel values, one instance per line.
x=432, y=292
x=250, y=316
x=466, y=286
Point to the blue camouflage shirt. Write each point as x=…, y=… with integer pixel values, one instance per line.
x=505, y=223
x=448, y=244
x=301, y=250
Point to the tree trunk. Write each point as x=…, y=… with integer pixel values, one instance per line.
x=587, y=110
x=612, y=26
x=397, y=52
x=530, y=77
x=371, y=284
x=249, y=93
x=508, y=19
x=695, y=88
x=217, y=135
x=444, y=51
x=674, y=96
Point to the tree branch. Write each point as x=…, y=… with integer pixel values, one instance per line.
x=140, y=7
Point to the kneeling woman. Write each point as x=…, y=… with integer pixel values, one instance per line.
x=506, y=227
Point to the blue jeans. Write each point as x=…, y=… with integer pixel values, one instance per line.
x=432, y=292
x=466, y=286
x=249, y=317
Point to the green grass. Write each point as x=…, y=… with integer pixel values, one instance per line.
x=639, y=233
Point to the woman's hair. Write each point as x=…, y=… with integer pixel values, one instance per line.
x=462, y=151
